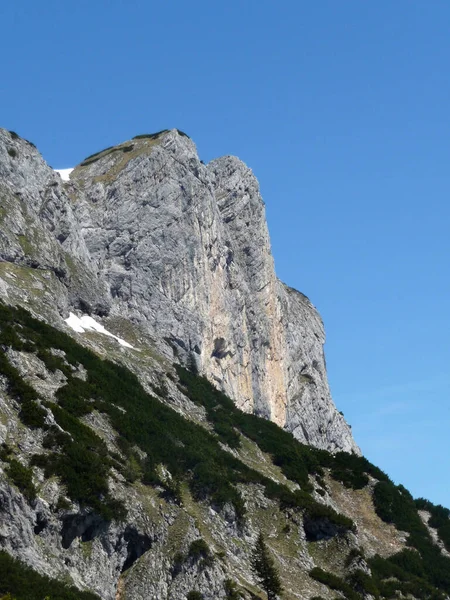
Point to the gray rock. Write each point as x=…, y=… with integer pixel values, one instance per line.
x=38, y=228
x=145, y=231
x=184, y=248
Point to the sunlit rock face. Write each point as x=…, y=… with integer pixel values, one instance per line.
x=146, y=231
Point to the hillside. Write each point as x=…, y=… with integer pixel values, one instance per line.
x=163, y=398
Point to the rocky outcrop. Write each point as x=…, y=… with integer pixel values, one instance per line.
x=102, y=485
x=38, y=228
x=147, y=232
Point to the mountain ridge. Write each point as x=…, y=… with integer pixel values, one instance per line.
x=126, y=471
x=149, y=233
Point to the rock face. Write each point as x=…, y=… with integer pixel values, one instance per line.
x=38, y=228
x=147, y=232
x=134, y=479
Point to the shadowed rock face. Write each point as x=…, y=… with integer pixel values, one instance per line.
x=183, y=249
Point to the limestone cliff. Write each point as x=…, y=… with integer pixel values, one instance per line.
x=128, y=477
x=145, y=231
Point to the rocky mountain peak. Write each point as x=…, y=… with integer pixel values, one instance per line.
x=145, y=231
x=126, y=475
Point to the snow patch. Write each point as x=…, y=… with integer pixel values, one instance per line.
x=64, y=173
x=87, y=323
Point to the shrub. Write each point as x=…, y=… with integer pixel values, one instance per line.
x=12, y=152
x=22, y=477
x=334, y=583
x=392, y=580
x=25, y=584
x=151, y=136
x=96, y=154
x=231, y=591
x=198, y=549
x=355, y=553
x=439, y=519
x=192, y=454
x=363, y=583
x=194, y=595
x=32, y=415
x=5, y=452
x=89, y=160
x=394, y=504
x=178, y=561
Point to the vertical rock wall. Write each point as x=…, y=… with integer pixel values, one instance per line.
x=184, y=247
x=145, y=230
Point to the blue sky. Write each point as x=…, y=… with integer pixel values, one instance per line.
x=341, y=108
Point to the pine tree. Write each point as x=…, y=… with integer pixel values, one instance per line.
x=264, y=569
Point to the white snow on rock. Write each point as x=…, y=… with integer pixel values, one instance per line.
x=64, y=173
x=87, y=323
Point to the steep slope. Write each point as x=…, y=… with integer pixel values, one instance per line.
x=105, y=487
x=184, y=250
x=38, y=229
x=126, y=476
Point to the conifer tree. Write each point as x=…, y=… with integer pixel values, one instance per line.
x=264, y=569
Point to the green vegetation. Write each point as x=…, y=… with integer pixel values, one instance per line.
x=187, y=450
x=14, y=135
x=354, y=554
x=356, y=586
x=82, y=463
x=151, y=136
x=25, y=244
x=198, y=553
x=334, y=583
x=198, y=549
x=296, y=460
x=439, y=519
x=178, y=562
x=231, y=591
x=12, y=152
x=392, y=580
x=194, y=455
x=80, y=459
x=394, y=504
x=25, y=584
x=31, y=412
x=264, y=569
x=22, y=477
x=96, y=154
x=194, y=595
x=363, y=583
x=95, y=157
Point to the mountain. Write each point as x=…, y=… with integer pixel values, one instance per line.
x=164, y=398
x=146, y=233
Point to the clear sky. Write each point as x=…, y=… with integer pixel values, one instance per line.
x=341, y=108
